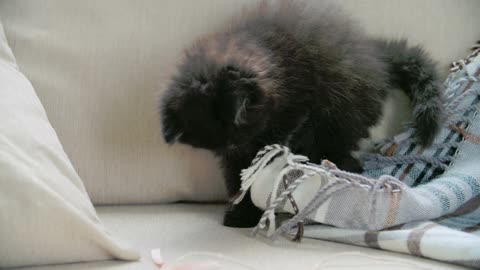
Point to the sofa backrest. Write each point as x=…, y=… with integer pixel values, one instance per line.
x=98, y=67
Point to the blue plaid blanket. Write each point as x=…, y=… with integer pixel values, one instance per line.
x=420, y=201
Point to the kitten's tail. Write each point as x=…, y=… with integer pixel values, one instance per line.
x=414, y=72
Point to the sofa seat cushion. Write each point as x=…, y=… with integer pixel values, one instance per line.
x=178, y=229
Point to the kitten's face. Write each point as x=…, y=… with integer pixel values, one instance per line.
x=219, y=109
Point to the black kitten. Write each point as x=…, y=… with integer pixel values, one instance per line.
x=284, y=74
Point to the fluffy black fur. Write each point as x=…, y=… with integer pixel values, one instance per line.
x=285, y=74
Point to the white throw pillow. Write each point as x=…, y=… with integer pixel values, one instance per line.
x=46, y=215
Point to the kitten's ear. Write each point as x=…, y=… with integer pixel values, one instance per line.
x=243, y=86
x=241, y=111
x=244, y=93
x=170, y=126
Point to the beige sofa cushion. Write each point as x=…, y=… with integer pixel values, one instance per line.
x=183, y=228
x=98, y=66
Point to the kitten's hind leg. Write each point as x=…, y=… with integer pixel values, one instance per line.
x=350, y=164
x=344, y=161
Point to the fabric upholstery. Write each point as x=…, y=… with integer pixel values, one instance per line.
x=98, y=67
x=182, y=228
x=45, y=213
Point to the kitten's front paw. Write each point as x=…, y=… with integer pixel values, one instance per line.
x=241, y=216
x=234, y=221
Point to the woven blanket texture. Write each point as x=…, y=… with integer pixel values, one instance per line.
x=414, y=200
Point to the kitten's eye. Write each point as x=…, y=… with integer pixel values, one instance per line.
x=218, y=114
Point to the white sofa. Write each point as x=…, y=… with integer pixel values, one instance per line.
x=97, y=67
